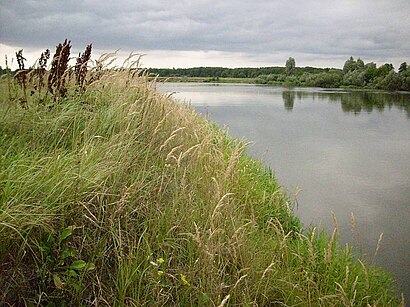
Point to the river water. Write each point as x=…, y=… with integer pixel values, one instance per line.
x=339, y=152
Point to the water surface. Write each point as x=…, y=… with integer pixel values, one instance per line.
x=348, y=152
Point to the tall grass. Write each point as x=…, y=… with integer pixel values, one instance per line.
x=118, y=195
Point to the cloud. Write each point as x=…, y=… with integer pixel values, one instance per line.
x=319, y=30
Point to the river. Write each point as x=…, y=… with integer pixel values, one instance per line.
x=338, y=152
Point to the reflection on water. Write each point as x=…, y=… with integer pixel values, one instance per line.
x=354, y=101
x=349, y=152
x=288, y=99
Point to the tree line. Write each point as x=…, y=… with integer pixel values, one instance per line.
x=223, y=72
x=355, y=74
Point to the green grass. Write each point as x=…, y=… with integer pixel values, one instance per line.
x=120, y=196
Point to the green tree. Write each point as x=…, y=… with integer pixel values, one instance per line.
x=328, y=79
x=384, y=70
x=369, y=73
x=405, y=84
x=290, y=66
x=359, y=64
x=354, y=78
x=390, y=82
x=403, y=67
x=350, y=65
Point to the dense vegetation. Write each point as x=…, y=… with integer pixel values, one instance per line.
x=113, y=194
x=221, y=72
x=355, y=74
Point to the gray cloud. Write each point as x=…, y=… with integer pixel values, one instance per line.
x=373, y=29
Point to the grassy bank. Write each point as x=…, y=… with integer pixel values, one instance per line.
x=116, y=195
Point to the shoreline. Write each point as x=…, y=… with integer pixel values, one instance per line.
x=252, y=81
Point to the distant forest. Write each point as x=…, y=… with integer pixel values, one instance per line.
x=355, y=74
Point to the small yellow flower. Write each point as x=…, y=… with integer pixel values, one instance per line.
x=184, y=281
x=160, y=260
x=160, y=273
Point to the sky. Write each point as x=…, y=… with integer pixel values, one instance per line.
x=240, y=33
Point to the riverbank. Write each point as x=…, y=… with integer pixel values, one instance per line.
x=206, y=80
x=259, y=82
x=117, y=195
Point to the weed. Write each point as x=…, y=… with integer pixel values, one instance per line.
x=80, y=68
x=21, y=76
x=41, y=70
x=59, y=70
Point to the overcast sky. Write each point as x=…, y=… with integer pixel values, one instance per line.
x=214, y=32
